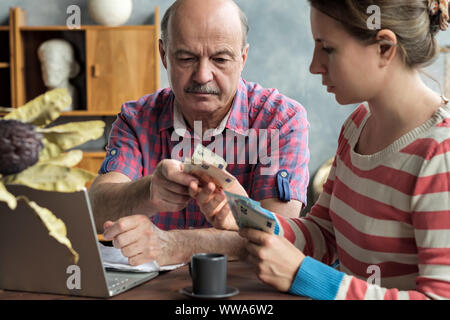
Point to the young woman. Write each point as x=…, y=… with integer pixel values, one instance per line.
x=384, y=214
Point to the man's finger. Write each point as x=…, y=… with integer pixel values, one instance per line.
x=132, y=249
x=138, y=259
x=173, y=171
x=206, y=193
x=194, y=189
x=120, y=226
x=125, y=239
x=107, y=224
x=175, y=188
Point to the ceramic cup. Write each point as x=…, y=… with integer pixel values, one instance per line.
x=209, y=273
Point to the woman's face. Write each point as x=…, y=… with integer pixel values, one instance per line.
x=349, y=68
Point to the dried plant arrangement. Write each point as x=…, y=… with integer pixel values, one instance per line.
x=42, y=157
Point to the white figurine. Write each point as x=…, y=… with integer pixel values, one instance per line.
x=58, y=65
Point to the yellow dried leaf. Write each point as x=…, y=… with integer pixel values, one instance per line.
x=67, y=159
x=73, y=134
x=6, y=196
x=49, y=151
x=44, y=109
x=52, y=178
x=56, y=227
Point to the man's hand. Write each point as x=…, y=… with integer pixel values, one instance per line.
x=169, y=187
x=213, y=204
x=276, y=259
x=141, y=241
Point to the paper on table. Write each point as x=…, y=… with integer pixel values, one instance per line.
x=114, y=259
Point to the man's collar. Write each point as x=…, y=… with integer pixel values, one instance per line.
x=235, y=120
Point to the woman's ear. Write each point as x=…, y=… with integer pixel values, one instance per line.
x=387, y=46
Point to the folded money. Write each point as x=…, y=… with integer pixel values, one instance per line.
x=204, y=155
x=249, y=214
x=209, y=167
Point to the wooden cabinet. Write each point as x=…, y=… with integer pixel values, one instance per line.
x=118, y=59
x=118, y=64
x=5, y=68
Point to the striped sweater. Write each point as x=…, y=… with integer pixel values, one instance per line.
x=385, y=218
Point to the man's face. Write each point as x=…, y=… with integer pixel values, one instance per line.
x=204, y=59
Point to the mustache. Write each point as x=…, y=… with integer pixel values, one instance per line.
x=201, y=88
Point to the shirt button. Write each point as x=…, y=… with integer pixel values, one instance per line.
x=284, y=174
x=113, y=152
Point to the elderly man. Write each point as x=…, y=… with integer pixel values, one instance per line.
x=141, y=199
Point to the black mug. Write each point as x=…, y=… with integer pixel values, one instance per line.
x=209, y=273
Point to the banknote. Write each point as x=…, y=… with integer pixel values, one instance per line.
x=209, y=167
x=248, y=213
x=202, y=154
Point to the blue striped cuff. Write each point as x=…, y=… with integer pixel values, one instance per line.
x=316, y=280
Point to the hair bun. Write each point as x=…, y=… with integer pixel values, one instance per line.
x=439, y=15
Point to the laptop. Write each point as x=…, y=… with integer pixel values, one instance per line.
x=31, y=260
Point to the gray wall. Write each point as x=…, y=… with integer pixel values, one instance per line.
x=280, y=53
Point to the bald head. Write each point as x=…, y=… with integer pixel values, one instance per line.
x=201, y=10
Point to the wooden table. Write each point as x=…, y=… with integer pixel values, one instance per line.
x=167, y=285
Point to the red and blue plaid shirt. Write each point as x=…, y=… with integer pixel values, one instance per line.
x=143, y=132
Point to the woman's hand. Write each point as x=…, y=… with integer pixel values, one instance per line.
x=276, y=259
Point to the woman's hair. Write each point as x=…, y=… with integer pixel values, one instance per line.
x=411, y=21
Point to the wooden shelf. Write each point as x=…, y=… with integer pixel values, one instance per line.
x=82, y=113
x=4, y=65
x=85, y=27
x=4, y=28
x=94, y=154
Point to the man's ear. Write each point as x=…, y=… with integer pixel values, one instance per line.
x=387, y=46
x=244, y=55
x=162, y=53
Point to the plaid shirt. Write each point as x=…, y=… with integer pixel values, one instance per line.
x=145, y=133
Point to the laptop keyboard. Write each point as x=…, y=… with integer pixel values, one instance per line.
x=115, y=283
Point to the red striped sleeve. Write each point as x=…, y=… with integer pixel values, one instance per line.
x=391, y=294
x=431, y=220
x=415, y=295
x=439, y=287
x=288, y=233
x=433, y=184
x=356, y=290
x=309, y=248
x=434, y=256
x=427, y=148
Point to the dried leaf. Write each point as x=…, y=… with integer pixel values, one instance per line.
x=56, y=227
x=44, y=109
x=52, y=178
x=49, y=151
x=73, y=134
x=67, y=159
x=6, y=196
